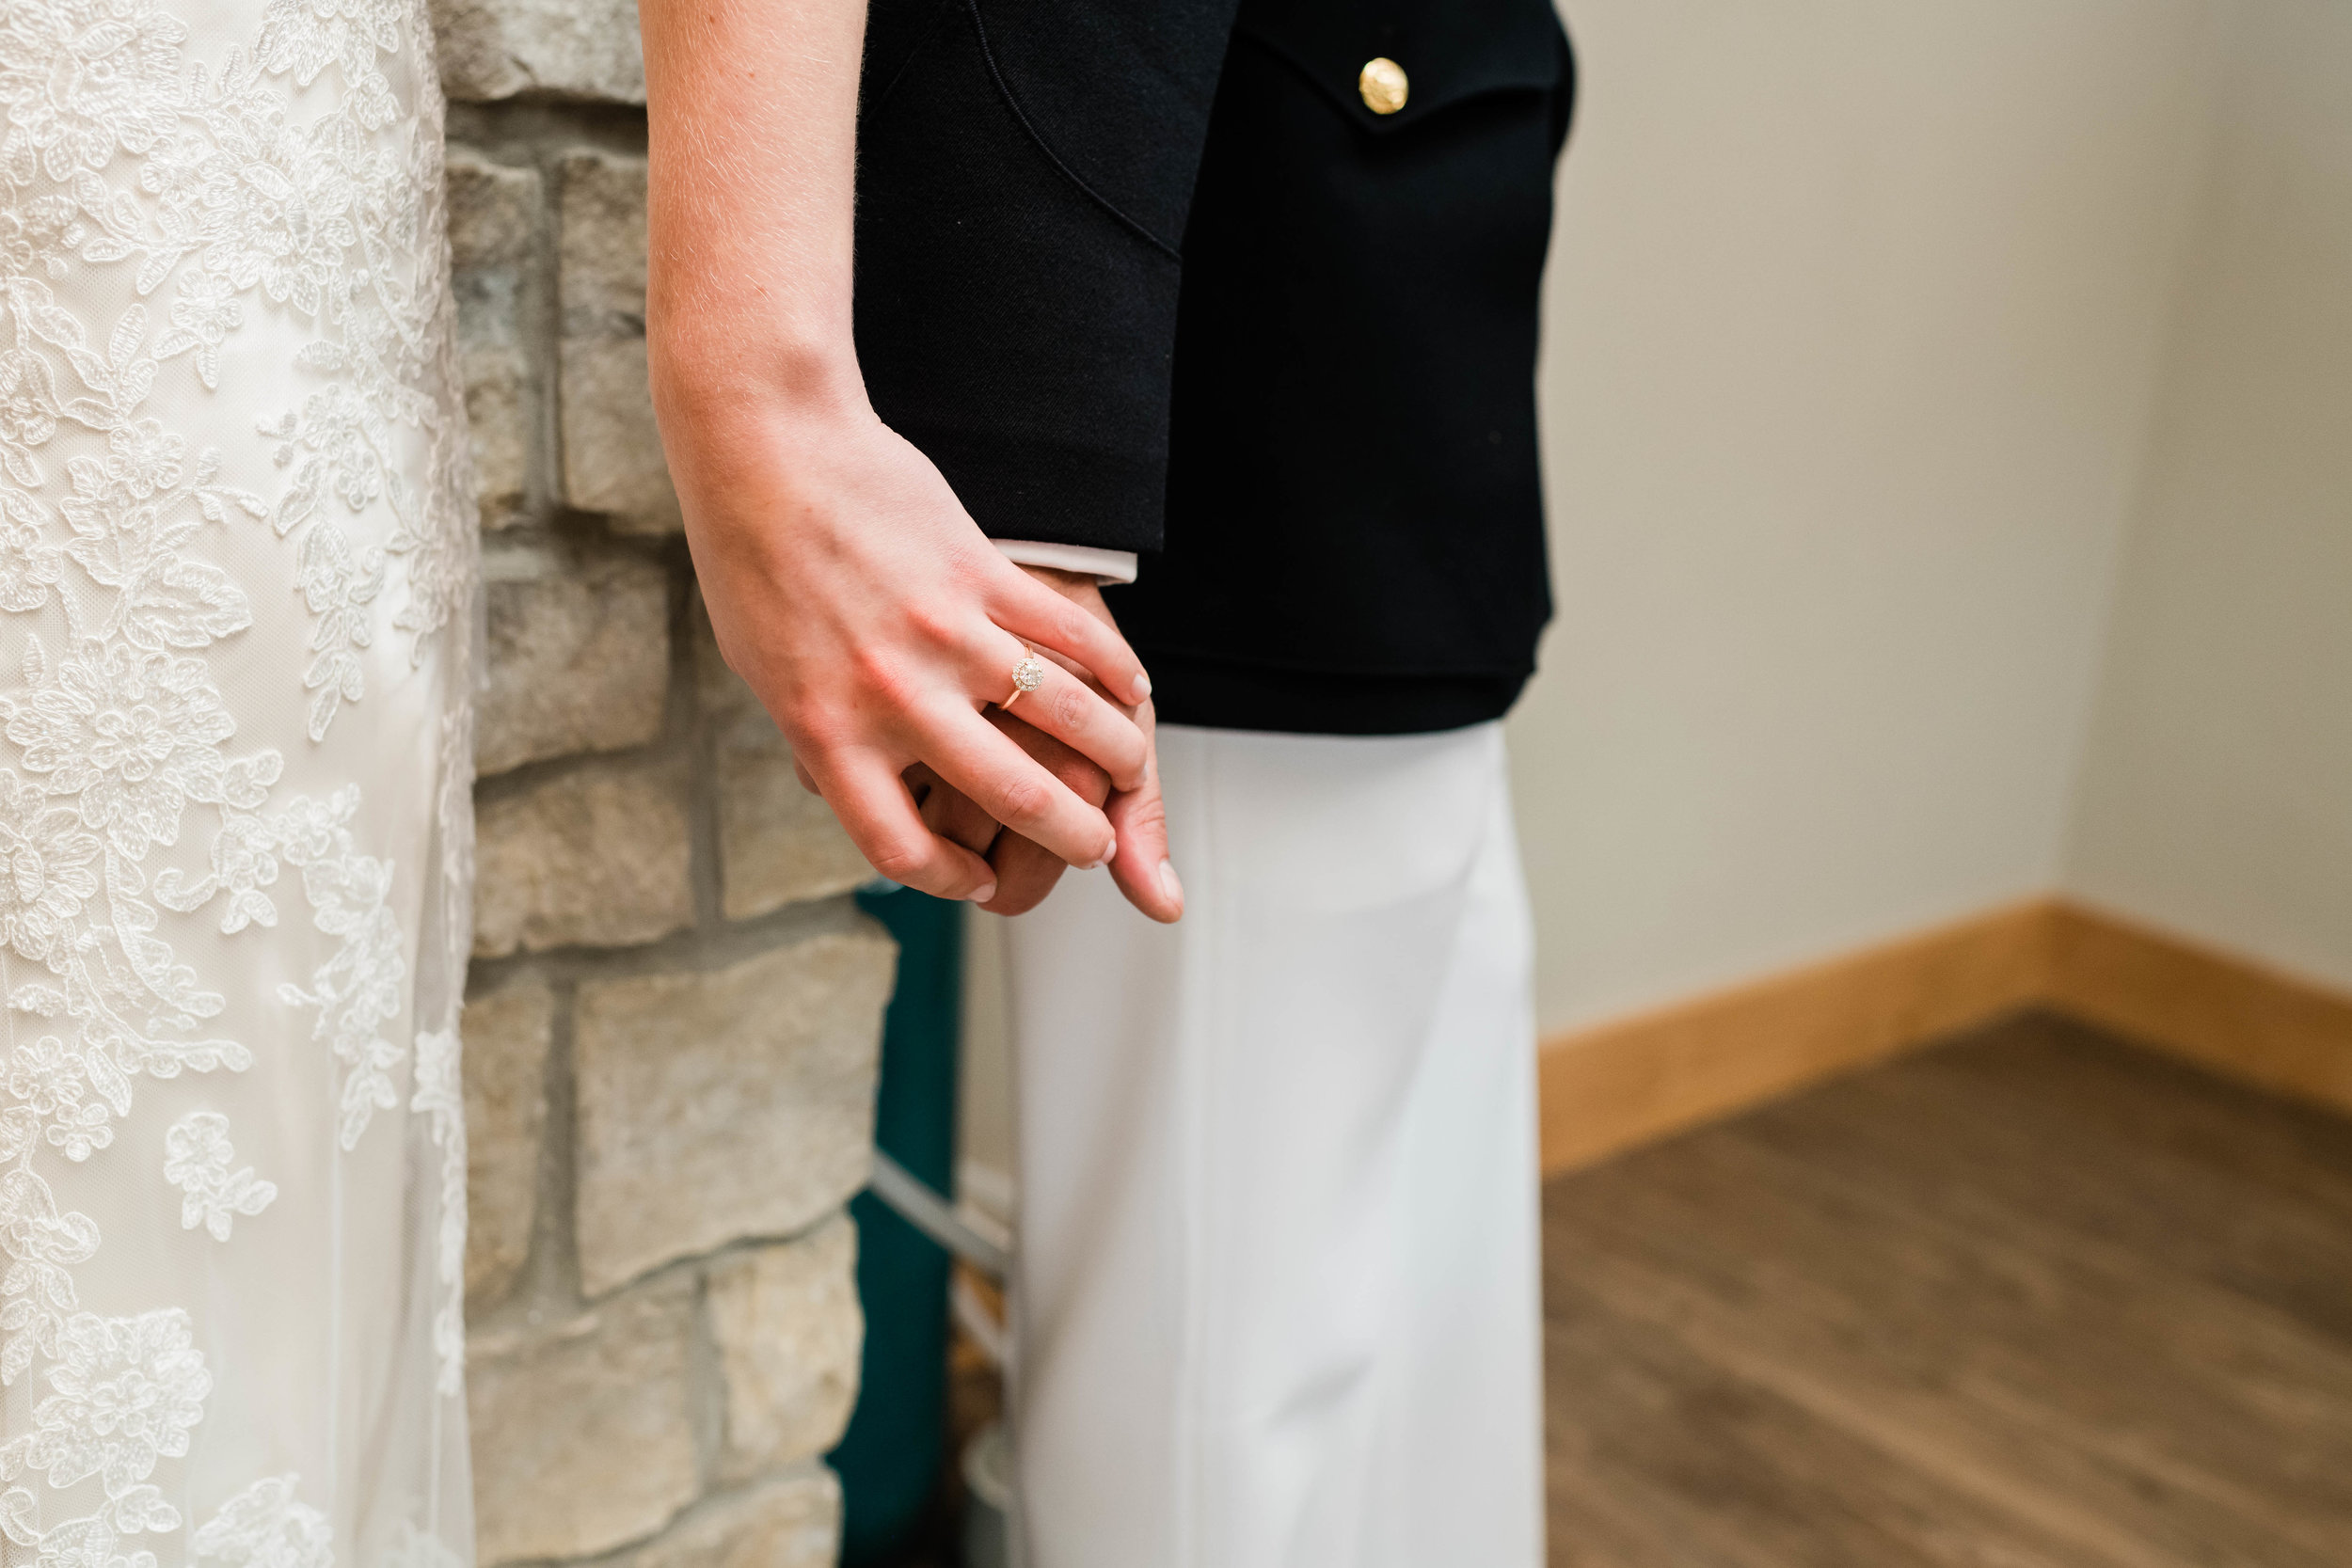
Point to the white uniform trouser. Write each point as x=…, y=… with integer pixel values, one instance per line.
x=1276, y=1298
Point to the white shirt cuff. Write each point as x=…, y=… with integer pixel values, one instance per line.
x=1105, y=566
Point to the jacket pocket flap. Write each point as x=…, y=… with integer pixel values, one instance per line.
x=1450, y=50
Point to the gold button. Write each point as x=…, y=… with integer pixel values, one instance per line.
x=1383, y=84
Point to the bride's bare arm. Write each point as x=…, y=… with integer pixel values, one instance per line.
x=844, y=581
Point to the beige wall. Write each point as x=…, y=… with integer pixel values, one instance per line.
x=2218, y=797
x=1855, y=319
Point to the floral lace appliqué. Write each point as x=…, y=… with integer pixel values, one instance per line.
x=358, y=990
x=124, y=1394
x=197, y=1153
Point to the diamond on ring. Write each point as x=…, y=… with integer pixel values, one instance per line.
x=1028, y=676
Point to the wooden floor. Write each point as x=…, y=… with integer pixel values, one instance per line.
x=2031, y=1299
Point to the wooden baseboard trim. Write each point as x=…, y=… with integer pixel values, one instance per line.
x=1608, y=1087
x=2224, y=1012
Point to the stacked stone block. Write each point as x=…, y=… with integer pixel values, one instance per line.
x=672, y=1024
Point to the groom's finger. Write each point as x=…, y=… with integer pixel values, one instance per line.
x=1139, y=817
x=1026, y=873
x=949, y=812
x=879, y=814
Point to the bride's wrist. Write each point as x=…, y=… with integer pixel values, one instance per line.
x=707, y=383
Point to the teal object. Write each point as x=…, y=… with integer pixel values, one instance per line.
x=889, y=1459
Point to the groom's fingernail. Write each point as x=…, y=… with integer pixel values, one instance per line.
x=1169, y=885
x=982, y=895
x=1141, y=690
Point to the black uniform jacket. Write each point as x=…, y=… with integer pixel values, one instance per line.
x=1320, y=429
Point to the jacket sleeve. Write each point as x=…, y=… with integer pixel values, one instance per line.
x=1023, y=181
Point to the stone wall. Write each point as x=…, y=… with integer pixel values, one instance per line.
x=672, y=1021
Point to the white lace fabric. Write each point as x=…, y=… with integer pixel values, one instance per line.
x=236, y=571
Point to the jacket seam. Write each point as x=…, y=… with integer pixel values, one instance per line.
x=1012, y=101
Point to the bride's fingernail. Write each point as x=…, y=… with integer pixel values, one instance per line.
x=1141, y=690
x=1169, y=885
x=984, y=895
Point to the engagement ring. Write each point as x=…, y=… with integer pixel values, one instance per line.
x=1027, y=675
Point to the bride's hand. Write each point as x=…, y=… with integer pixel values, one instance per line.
x=850, y=588
x=1027, y=872
x=846, y=583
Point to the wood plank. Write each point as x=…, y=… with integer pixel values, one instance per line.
x=2160, y=1381
x=2031, y=1299
x=2047, y=1393
x=2200, y=1176
x=1677, y=1457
